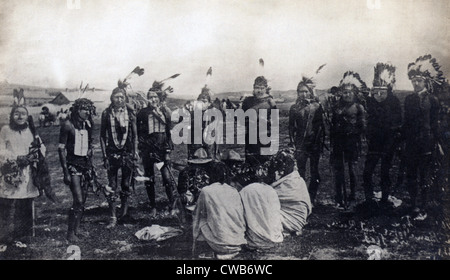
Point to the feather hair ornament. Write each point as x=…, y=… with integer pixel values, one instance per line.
x=320, y=68
x=208, y=75
x=352, y=79
x=158, y=85
x=261, y=62
x=308, y=83
x=384, y=75
x=171, y=77
x=137, y=71
x=427, y=67
x=18, y=97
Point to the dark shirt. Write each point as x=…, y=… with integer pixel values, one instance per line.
x=348, y=119
x=154, y=130
x=421, y=123
x=106, y=132
x=67, y=137
x=306, y=123
x=256, y=103
x=384, y=120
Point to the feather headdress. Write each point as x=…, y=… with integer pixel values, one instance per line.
x=157, y=87
x=353, y=80
x=19, y=98
x=208, y=76
x=427, y=67
x=384, y=75
x=261, y=62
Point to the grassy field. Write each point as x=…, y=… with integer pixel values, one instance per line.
x=331, y=233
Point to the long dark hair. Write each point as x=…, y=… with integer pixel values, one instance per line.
x=219, y=173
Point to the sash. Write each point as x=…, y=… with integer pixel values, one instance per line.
x=156, y=122
x=123, y=119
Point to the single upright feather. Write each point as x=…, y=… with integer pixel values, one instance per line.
x=320, y=68
x=171, y=77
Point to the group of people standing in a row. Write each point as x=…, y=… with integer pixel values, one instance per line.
x=353, y=112
x=237, y=201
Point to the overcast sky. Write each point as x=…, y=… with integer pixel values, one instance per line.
x=47, y=43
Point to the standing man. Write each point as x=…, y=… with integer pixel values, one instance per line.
x=347, y=127
x=118, y=139
x=155, y=144
x=200, y=106
x=384, y=119
x=307, y=132
x=261, y=99
x=75, y=155
x=420, y=129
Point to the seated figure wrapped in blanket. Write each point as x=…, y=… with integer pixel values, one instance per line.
x=262, y=210
x=291, y=190
x=219, y=216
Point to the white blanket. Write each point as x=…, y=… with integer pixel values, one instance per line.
x=219, y=218
x=294, y=199
x=263, y=215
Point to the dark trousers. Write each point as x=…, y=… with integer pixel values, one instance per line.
x=16, y=218
x=372, y=160
x=168, y=181
x=113, y=174
x=418, y=171
x=302, y=159
x=338, y=163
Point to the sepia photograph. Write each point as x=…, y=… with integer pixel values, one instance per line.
x=200, y=130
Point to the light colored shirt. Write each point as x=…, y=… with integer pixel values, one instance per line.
x=14, y=144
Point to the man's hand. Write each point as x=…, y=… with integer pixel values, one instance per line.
x=22, y=161
x=106, y=164
x=167, y=161
x=67, y=180
x=136, y=156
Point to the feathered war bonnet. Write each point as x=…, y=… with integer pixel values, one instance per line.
x=427, y=68
x=384, y=76
x=352, y=80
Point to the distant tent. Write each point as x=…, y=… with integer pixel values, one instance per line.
x=64, y=98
